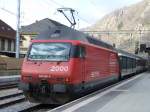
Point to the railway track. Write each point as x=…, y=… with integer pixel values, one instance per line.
x=8, y=86
x=13, y=100
x=9, y=82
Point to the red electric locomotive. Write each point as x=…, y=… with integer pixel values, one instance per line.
x=64, y=62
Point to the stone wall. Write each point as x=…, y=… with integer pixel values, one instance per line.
x=7, y=63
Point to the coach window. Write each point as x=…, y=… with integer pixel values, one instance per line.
x=124, y=62
x=121, y=62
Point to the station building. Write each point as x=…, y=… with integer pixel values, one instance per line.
x=7, y=39
x=29, y=32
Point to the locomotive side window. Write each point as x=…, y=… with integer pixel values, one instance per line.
x=50, y=51
x=78, y=52
x=82, y=52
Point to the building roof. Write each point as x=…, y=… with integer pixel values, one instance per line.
x=39, y=26
x=6, y=31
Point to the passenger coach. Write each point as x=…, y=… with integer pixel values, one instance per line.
x=131, y=63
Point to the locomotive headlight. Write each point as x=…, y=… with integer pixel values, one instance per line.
x=67, y=79
x=60, y=79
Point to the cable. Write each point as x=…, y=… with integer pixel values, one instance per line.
x=47, y=2
x=83, y=19
x=8, y=11
x=56, y=3
x=91, y=2
x=77, y=14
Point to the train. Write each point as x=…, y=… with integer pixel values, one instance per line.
x=63, y=62
x=131, y=63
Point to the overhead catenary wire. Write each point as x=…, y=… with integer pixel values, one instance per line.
x=82, y=18
x=8, y=11
x=57, y=3
x=12, y=13
x=54, y=2
x=117, y=32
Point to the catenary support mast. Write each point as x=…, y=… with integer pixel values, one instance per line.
x=18, y=30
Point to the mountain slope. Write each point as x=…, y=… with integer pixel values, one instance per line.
x=128, y=24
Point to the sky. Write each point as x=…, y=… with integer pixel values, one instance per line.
x=87, y=11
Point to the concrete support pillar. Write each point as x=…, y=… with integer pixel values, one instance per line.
x=6, y=45
x=0, y=44
x=12, y=46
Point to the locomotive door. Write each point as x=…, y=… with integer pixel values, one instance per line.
x=83, y=58
x=83, y=69
x=112, y=64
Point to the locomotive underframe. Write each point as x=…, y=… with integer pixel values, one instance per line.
x=47, y=93
x=60, y=93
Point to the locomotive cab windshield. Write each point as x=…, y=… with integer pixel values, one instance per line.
x=55, y=51
x=50, y=51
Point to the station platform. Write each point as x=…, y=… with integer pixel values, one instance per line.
x=131, y=95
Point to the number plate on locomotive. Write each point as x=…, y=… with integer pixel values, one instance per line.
x=59, y=68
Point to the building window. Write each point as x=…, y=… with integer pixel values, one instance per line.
x=9, y=45
x=14, y=45
x=3, y=27
x=3, y=44
x=6, y=44
x=0, y=44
